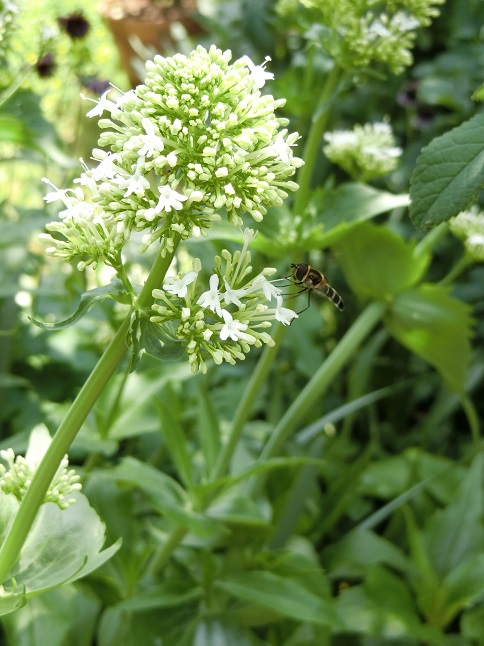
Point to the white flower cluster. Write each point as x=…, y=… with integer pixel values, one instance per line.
x=469, y=227
x=364, y=33
x=365, y=152
x=224, y=321
x=16, y=478
x=198, y=140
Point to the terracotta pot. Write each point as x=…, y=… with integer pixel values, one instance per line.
x=151, y=22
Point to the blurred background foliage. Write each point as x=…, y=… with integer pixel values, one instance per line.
x=380, y=539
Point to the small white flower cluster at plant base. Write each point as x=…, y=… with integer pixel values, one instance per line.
x=16, y=478
x=224, y=321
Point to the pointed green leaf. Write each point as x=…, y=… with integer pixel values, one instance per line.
x=353, y=203
x=456, y=532
x=114, y=290
x=175, y=438
x=383, y=606
x=167, y=496
x=281, y=595
x=449, y=174
x=379, y=263
x=208, y=427
x=437, y=327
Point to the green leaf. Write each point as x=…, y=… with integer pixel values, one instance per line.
x=164, y=595
x=115, y=290
x=13, y=130
x=61, y=546
x=435, y=326
x=351, y=555
x=280, y=594
x=383, y=606
x=167, y=496
x=353, y=203
x=449, y=174
x=456, y=532
x=208, y=426
x=379, y=263
x=175, y=437
x=159, y=341
x=65, y=615
x=464, y=585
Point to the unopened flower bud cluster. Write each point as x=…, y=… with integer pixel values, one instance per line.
x=195, y=143
x=365, y=152
x=469, y=227
x=361, y=34
x=226, y=320
x=17, y=478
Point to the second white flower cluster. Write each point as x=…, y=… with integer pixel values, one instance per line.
x=224, y=321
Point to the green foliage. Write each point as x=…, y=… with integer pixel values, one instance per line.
x=449, y=175
x=324, y=491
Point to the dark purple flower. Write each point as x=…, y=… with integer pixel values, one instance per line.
x=45, y=66
x=75, y=25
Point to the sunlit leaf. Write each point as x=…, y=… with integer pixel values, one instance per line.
x=449, y=174
x=435, y=326
x=63, y=545
x=281, y=595
x=378, y=263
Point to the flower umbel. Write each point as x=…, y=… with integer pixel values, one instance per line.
x=195, y=143
x=365, y=152
x=226, y=320
x=366, y=33
x=469, y=227
x=16, y=478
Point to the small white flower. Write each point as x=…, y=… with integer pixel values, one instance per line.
x=211, y=298
x=284, y=314
x=107, y=168
x=152, y=143
x=103, y=104
x=280, y=148
x=53, y=196
x=259, y=74
x=178, y=286
x=137, y=183
x=261, y=284
x=232, y=295
x=169, y=199
x=233, y=329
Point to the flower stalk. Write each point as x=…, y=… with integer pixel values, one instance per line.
x=67, y=431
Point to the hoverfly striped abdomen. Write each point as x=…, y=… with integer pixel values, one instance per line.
x=313, y=280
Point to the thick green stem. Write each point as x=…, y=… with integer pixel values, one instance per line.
x=245, y=405
x=240, y=417
x=323, y=378
x=473, y=420
x=71, y=425
x=431, y=240
x=314, y=140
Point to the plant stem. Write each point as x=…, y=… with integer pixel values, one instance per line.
x=243, y=409
x=313, y=142
x=71, y=425
x=241, y=414
x=431, y=240
x=472, y=419
x=461, y=265
x=315, y=389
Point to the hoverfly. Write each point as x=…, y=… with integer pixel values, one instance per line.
x=312, y=280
